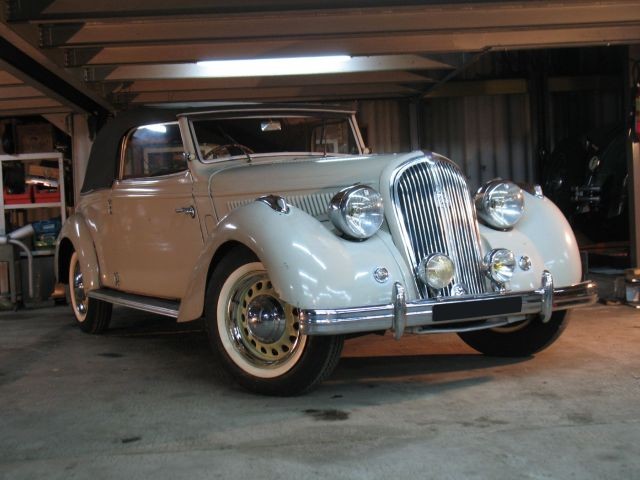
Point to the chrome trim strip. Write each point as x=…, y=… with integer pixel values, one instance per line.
x=258, y=108
x=160, y=306
x=420, y=313
x=469, y=327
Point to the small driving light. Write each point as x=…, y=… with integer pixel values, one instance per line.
x=500, y=265
x=436, y=270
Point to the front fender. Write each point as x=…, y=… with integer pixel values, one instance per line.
x=310, y=266
x=76, y=231
x=544, y=235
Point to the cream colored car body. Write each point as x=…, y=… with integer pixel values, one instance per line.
x=129, y=237
x=177, y=206
x=310, y=266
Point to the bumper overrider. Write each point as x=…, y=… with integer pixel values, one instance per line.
x=449, y=314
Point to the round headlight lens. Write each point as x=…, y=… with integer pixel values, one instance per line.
x=501, y=264
x=357, y=211
x=500, y=204
x=436, y=270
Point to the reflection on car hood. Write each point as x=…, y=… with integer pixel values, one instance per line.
x=306, y=183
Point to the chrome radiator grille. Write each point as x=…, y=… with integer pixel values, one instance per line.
x=436, y=215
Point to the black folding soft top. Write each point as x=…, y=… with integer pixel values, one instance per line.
x=103, y=160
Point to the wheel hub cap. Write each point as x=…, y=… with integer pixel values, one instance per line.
x=78, y=290
x=263, y=328
x=266, y=319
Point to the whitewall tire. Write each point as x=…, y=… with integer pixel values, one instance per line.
x=257, y=336
x=93, y=316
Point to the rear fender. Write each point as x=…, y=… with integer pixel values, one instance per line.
x=76, y=231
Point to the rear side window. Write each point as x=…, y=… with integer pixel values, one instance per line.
x=153, y=150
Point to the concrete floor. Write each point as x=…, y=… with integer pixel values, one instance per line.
x=147, y=401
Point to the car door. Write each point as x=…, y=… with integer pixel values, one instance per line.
x=154, y=214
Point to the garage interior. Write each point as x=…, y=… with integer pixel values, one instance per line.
x=540, y=92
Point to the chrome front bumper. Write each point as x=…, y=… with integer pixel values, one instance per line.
x=449, y=314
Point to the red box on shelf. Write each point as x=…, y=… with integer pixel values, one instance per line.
x=45, y=196
x=17, y=198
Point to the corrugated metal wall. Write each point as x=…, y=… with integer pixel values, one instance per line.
x=577, y=113
x=487, y=136
x=492, y=136
x=385, y=125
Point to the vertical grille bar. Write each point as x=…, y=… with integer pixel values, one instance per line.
x=435, y=212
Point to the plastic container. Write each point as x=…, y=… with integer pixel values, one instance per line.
x=18, y=198
x=632, y=286
x=46, y=232
x=46, y=196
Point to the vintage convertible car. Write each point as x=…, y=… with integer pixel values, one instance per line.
x=276, y=225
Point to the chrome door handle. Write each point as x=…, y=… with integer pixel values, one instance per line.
x=187, y=210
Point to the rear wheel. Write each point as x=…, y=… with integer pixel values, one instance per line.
x=257, y=335
x=520, y=340
x=92, y=316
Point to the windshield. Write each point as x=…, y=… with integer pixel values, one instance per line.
x=311, y=135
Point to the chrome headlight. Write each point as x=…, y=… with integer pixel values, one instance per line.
x=500, y=204
x=357, y=211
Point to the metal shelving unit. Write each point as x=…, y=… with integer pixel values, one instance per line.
x=33, y=157
x=7, y=252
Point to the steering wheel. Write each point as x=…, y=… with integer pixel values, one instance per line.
x=227, y=146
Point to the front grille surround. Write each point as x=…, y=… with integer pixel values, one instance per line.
x=435, y=214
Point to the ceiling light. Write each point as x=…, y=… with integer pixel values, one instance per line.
x=273, y=66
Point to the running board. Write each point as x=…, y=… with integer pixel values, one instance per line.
x=168, y=308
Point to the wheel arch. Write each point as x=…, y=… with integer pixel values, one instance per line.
x=65, y=251
x=310, y=266
x=222, y=251
x=75, y=236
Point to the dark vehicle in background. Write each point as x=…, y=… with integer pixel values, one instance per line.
x=587, y=178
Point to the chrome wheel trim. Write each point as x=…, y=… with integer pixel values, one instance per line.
x=260, y=355
x=79, y=299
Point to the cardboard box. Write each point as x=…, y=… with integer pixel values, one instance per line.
x=35, y=138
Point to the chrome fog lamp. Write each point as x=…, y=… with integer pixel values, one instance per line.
x=501, y=264
x=357, y=211
x=500, y=204
x=436, y=270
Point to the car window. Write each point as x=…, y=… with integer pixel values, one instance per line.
x=228, y=137
x=153, y=150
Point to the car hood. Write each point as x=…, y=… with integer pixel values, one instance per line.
x=306, y=183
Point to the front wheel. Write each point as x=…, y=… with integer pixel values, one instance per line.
x=257, y=335
x=93, y=316
x=519, y=340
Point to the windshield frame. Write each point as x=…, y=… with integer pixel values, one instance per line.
x=274, y=114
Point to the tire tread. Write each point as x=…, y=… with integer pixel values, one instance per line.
x=532, y=338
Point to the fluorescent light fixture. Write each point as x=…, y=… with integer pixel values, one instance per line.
x=268, y=67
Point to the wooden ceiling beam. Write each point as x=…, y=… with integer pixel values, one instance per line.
x=302, y=25
x=371, y=45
